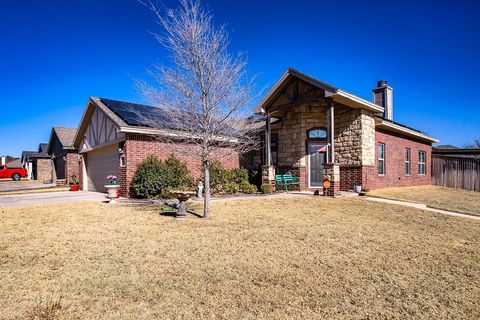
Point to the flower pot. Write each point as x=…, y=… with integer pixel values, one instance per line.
x=112, y=192
x=74, y=187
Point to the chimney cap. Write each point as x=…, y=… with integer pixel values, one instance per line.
x=382, y=83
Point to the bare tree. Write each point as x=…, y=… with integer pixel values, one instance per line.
x=474, y=145
x=200, y=99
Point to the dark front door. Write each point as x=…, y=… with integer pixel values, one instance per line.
x=316, y=158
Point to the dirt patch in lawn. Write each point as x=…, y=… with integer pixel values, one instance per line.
x=298, y=258
x=457, y=200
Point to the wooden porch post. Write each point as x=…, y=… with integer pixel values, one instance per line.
x=331, y=130
x=268, y=151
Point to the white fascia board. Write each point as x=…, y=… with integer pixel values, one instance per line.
x=353, y=101
x=397, y=128
x=259, y=107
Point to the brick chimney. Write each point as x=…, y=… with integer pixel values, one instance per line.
x=383, y=96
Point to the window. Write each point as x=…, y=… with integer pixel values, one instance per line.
x=407, y=161
x=381, y=159
x=317, y=134
x=421, y=162
x=123, y=161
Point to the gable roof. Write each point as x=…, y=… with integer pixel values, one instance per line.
x=17, y=163
x=26, y=155
x=340, y=96
x=335, y=93
x=65, y=136
x=42, y=151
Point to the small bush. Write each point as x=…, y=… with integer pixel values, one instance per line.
x=267, y=188
x=155, y=178
x=229, y=180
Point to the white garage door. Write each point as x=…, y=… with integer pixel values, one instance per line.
x=100, y=164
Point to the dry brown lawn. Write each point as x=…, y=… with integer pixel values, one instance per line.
x=458, y=200
x=278, y=258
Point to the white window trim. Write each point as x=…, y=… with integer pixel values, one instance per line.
x=382, y=159
x=424, y=163
x=409, y=161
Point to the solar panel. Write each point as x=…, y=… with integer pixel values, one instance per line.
x=137, y=114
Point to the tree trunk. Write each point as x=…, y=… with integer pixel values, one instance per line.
x=206, y=197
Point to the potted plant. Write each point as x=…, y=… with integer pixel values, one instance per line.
x=74, y=183
x=112, y=188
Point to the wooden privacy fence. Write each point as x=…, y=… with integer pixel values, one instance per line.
x=456, y=172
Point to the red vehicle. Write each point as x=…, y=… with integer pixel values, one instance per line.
x=14, y=173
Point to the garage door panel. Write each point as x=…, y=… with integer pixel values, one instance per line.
x=100, y=164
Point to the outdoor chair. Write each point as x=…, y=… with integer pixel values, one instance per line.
x=279, y=182
x=290, y=180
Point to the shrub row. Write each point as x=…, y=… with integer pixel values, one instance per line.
x=156, y=178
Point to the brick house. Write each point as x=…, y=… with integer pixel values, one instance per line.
x=316, y=131
x=112, y=140
x=42, y=164
x=64, y=156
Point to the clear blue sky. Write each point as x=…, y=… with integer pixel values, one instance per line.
x=55, y=54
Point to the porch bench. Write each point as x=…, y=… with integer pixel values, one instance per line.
x=286, y=180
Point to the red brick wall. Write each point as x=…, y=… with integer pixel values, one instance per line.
x=43, y=170
x=394, y=176
x=138, y=147
x=72, y=166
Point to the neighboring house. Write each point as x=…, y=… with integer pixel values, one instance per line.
x=63, y=154
x=16, y=163
x=5, y=159
x=27, y=162
x=315, y=130
x=112, y=140
x=42, y=164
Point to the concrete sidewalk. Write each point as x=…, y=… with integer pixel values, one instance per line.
x=49, y=197
x=422, y=207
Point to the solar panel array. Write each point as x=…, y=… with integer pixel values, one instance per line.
x=137, y=114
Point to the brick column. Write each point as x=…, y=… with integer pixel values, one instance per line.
x=331, y=172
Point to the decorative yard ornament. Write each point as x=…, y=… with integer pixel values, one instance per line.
x=200, y=189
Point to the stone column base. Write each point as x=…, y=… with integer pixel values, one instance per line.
x=268, y=174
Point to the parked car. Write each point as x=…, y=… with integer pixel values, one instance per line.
x=14, y=173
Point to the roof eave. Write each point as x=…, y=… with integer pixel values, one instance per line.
x=353, y=101
x=380, y=123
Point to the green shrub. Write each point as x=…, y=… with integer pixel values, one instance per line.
x=267, y=188
x=155, y=178
x=229, y=180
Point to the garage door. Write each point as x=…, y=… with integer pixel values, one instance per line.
x=100, y=164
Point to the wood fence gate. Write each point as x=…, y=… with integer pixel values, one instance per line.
x=456, y=172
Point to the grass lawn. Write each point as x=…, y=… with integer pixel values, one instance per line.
x=436, y=197
x=296, y=258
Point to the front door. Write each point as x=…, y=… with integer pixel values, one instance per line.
x=316, y=158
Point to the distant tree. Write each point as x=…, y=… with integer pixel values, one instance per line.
x=203, y=93
x=474, y=145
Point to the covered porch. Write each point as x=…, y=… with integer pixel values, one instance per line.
x=309, y=132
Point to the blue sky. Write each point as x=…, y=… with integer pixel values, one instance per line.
x=55, y=54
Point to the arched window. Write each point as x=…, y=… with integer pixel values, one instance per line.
x=317, y=134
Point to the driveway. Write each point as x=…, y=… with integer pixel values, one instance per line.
x=10, y=185
x=49, y=197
